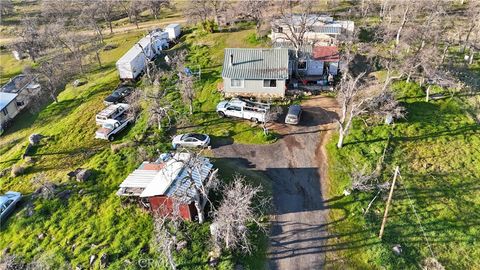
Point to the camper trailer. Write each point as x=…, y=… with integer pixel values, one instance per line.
x=133, y=63
x=173, y=31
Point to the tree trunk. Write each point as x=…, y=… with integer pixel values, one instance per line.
x=201, y=214
x=467, y=38
x=52, y=95
x=191, y=107
x=170, y=259
x=428, y=94
x=110, y=26
x=340, y=139
x=472, y=54
x=97, y=54
x=445, y=50
x=404, y=21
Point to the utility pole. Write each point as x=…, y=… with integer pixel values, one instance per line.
x=385, y=215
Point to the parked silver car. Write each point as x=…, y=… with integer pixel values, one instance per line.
x=294, y=114
x=191, y=140
x=7, y=203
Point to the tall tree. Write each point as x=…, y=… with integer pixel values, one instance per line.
x=241, y=206
x=108, y=11
x=255, y=10
x=156, y=6
x=31, y=38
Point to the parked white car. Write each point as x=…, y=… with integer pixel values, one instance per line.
x=7, y=203
x=191, y=140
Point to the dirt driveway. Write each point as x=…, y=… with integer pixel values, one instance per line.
x=295, y=165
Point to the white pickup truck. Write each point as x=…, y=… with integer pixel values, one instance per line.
x=113, y=111
x=111, y=127
x=253, y=111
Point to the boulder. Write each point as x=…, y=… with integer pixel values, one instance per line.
x=93, y=257
x=41, y=236
x=397, y=249
x=79, y=82
x=181, y=245
x=104, y=260
x=83, y=175
x=35, y=138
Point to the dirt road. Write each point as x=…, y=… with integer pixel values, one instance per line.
x=295, y=165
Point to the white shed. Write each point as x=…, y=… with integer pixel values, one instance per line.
x=173, y=31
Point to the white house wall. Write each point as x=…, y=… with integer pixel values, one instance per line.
x=254, y=88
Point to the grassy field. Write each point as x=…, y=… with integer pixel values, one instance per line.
x=437, y=148
x=91, y=219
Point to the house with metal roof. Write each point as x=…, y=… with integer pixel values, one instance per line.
x=172, y=179
x=8, y=108
x=255, y=72
x=321, y=30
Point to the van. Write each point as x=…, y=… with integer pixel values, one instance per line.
x=293, y=115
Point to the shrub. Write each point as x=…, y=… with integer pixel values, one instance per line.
x=17, y=170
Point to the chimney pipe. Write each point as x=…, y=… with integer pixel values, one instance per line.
x=231, y=59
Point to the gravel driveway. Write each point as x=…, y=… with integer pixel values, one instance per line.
x=294, y=164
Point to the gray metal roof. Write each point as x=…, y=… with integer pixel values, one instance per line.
x=256, y=63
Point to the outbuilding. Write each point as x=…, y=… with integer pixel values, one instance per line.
x=8, y=108
x=173, y=31
x=166, y=182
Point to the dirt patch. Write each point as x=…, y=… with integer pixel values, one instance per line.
x=296, y=166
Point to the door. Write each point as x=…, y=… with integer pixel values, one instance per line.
x=315, y=67
x=234, y=111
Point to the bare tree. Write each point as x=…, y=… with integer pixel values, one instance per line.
x=159, y=108
x=198, y=11
x=6, y=7
x=351, y=101
x=295, y=25
x=240, y=207
x=198, y=192
x=54, y=74
x=31, y=38
x=133, y=8
x=90, y=17
x=134, y=101
x=156, y=6
x=166, y=230
x=107, y=9
x=272, y=114
x=255, y=10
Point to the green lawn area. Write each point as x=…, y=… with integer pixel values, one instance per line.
x=438, y=150
x=93, y=220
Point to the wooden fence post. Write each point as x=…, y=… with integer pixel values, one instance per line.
x=385, y=215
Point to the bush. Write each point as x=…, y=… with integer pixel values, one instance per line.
x=17, y=170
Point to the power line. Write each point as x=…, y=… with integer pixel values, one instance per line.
x=418, y=217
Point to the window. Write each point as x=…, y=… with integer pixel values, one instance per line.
x=234, y=108
x=269, y=83
x=236, y=83
x=302, y=64
x=279, y=29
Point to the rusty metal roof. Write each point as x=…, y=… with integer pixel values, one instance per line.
x=255, y=63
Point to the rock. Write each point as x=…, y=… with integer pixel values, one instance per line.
x=93, y=257
x=80, y=192
x=346, y=192
x=104, y=260
x=41, y=236
x=34, y=139
x=83, y=175
x=78, y=82
x=29, y=160
x=181, y=245
x=64, y=195
x=213, y=262
x=78, y=267
x=397, y=249
x=73, y=247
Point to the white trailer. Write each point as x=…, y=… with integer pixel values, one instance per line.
x=134, y=61
x=253, y=111
x=173, y=31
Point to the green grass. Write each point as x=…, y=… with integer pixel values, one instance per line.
x=437, y=149
x=94, y=220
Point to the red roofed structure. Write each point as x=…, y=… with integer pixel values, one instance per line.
x=326, y=53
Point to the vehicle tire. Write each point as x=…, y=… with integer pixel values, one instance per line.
x=222, y=114
x=254, y=120
x=111, y=138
